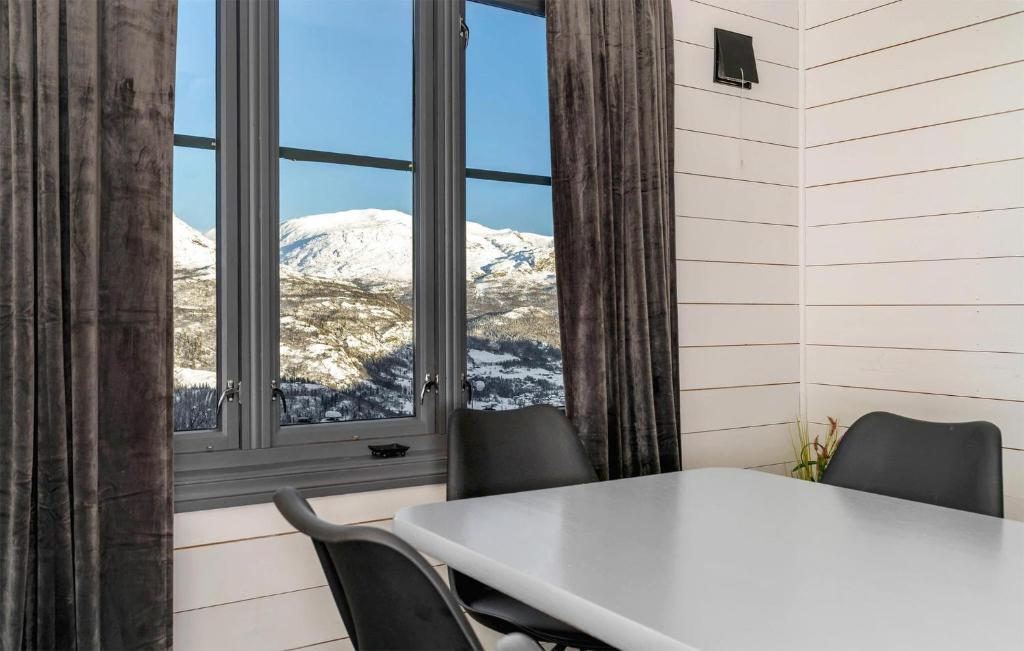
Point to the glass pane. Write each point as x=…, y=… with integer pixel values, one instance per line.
x=195, y=83
x=346, y=269
x=194, y=217
x=195, y=289
x=506, y=91
x=514, y=356
x=513, y=351
x=346, y=76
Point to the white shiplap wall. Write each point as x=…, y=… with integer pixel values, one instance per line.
x=245, y=580
x=914, y=173
x=737, y=228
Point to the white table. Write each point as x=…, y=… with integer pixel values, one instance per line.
x=723, y=559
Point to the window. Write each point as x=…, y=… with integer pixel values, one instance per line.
x=323, y=209
x=195, y=217
x=513, y=355
x=346, y=301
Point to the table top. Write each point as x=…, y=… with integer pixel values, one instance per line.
x=727, y=559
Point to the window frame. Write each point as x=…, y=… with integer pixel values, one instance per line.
x=224, y=144
x=250, y=455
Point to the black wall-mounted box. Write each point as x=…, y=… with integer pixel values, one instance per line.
x=734, y=59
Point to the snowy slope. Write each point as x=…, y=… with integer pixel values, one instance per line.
x=192, y=249
x=375, y=246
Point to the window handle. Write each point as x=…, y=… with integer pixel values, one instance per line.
x=464, y=32
x=467, y=388
x=428, y=382
x=275, y=392
x=229, y=394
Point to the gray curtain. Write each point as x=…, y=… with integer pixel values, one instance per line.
x=610, y=83
x=86, y=119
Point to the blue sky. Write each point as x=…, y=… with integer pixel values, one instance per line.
x=346, y=85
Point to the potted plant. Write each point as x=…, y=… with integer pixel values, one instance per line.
x=813, y=455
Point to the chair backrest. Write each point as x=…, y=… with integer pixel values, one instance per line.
x=387, y=594
x=957, y=465
x=495, y=452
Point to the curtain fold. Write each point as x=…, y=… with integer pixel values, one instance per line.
x=610, y=80
x=86, y=510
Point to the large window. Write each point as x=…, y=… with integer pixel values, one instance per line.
x=362, y=237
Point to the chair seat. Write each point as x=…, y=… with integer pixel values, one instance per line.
x=517, y=616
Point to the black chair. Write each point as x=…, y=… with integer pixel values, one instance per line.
x=496, y=452
x=957, y=465
x=387, y=594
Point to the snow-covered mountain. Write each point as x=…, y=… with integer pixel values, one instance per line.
x=192, y=250
x=375, y=247
x=346, y=316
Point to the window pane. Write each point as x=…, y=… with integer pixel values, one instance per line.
x=346, y=256
x=506, y=91
x=346, y=76
x=514, y=356
x=513, y=351
x=195, y=84
x=194, y=219
x=195, y=289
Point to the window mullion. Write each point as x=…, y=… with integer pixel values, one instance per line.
x=451, y=161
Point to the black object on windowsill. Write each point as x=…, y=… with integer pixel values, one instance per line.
x=388, y=451
x=734, y=59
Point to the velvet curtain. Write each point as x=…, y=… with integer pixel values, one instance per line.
x=86, y=133
x=611, y=101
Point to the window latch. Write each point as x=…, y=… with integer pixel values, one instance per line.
x=467, y=388
x=275, y=391
x=429, y=382
x=464, y=31
x=229, y=394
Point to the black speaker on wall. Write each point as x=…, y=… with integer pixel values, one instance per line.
x=734, y=59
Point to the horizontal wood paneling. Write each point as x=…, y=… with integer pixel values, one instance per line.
x=736, y=238
x=219, y=574
x=849, y=403
x=334, y=645
x=984, y=92
x=974, y=374
x=969, y=235
x=967, y=189
x=921, y=268
x=980, y=140
x=704, y=196
x=716, y=409
x=732, y=325
x=819, y=12
x=242, y=522
x=695, y=67
x=731, y=366
x=740, y=448
x=774, y=43
x=732, y=158
x=993, y=328
x=713, y=282
x=1013, y=473
x=701, y=110
x=209, y=575
x=997, y=281
x=784, y=12
x=244, y=580
x=982, y=46
x=899, y=23
x=284, y=621
x=728, y=241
